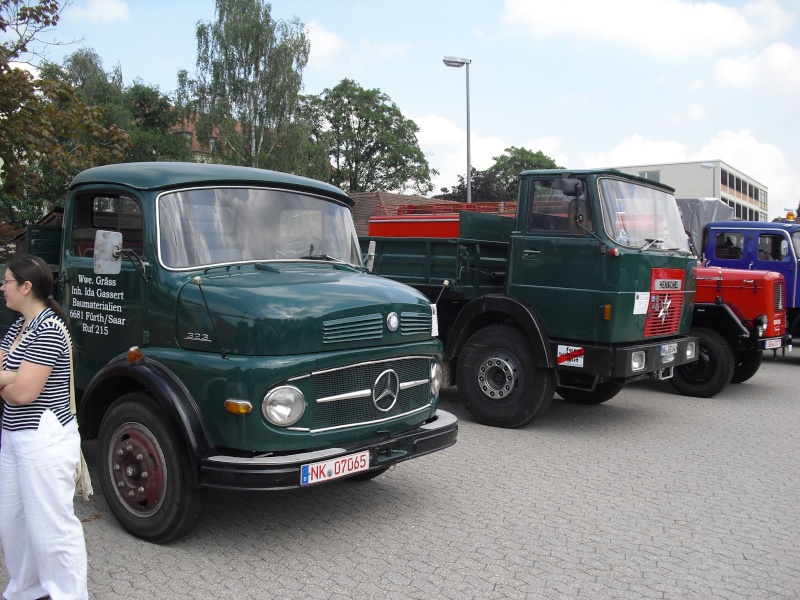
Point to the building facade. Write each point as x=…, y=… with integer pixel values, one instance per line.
x=710, y=179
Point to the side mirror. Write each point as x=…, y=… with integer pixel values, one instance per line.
x=578, y=217
x=369, y=259
x=107, y=252
x=784, y=248
x=572, y=187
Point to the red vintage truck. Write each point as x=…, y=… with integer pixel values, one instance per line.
x=738, y=313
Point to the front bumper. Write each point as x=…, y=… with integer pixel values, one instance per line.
x=283, y=472
x=614, y=361
x=775, y=343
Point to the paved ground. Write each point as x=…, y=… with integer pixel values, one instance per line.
x=651, y=495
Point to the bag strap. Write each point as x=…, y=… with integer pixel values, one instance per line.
x=63, y=327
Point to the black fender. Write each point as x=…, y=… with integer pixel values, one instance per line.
x=722, y=319
x=120, y=377
x=491, y=308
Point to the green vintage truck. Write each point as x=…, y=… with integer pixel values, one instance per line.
x=227, y=336
x=584, y=284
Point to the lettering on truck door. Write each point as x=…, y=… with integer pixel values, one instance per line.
x=107, y=313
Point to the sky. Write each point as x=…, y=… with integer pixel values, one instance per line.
x=590, y=83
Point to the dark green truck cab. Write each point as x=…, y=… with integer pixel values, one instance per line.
x=227, y=336
x=588, y=285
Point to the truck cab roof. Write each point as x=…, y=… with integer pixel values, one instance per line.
x=169, y=175
x=596, y=172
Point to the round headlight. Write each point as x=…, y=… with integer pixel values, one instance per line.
x=437, y=378
x=283, y=406
x=761, y=325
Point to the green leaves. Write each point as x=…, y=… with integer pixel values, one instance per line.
x=372, y=146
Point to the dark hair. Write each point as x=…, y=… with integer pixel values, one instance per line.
x=34, y=269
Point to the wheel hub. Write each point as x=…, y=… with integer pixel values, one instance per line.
x=138, y=469
x=497, y=377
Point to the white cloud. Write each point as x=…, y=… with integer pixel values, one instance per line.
x=669, y=29
x=25, y=67
x=445, y=146
x=99, y=11
x=334, y=56
x=694, y=112
x=326, y=48
x=776, y=68
x=636, y=151
x=764, y=162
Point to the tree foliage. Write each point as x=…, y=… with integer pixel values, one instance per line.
x=47, y=133
x=485, y=188
x=141, y=110
x=247, y=89
x=499, y=182
x=512, y=162
x=372, y=146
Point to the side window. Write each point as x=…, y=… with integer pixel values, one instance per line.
x=110, y=213
x=728, y=245
x=549, y=208
x=769, y=247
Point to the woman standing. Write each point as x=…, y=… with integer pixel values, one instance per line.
x=42, y=539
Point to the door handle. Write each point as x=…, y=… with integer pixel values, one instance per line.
x=530, y=253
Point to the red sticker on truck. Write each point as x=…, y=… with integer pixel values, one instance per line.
x=570, y=356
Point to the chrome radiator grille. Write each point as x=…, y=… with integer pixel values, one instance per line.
x=371, y=327
x=780, y=296
x=344, y=396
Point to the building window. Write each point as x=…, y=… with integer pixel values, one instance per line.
x=651, y=175
x=723, y=177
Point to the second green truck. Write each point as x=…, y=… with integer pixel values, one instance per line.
x=585, y=285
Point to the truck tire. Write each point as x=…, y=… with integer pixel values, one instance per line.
x=747, y=364
x=499, y=380
x=602, y=392
x=143, y=471
x=711, y=372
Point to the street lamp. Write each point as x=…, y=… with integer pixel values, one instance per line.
x=454, y=61
x=713, y=168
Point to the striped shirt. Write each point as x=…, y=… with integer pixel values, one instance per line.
x=43, y=344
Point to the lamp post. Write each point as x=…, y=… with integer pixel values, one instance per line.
x=713, y=168
x=454, y=61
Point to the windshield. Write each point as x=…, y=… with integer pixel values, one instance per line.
x=641, y=216
x=202, y=227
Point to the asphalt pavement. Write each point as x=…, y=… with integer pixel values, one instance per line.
x=650, y=495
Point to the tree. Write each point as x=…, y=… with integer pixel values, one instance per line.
x=512, y=162
x=141, y=110
x=47, y=133
x=372, y=145
x=247, y=90
x=485, y=188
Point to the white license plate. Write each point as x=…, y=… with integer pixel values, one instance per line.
x=775, y=343
x=334, y=468
x=669, y=349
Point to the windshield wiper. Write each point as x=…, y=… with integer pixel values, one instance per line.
x=650, y=242
x=326, y=257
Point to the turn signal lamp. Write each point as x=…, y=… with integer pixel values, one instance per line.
x=613, y=252
x=607, y=312
x=135, y=354
x=238, y=407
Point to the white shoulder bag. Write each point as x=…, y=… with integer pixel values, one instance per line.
x=83, y=482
